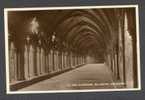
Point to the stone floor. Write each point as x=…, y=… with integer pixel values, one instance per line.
x=90, y=76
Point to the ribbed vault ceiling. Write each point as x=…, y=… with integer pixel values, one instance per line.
x=89, y=29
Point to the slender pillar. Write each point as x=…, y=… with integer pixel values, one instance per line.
x=12, y=63
x=31, y=63
x=26, y=62
x=38, y=61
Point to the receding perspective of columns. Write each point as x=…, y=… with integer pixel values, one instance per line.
x=73, y=49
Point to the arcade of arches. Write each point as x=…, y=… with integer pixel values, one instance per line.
x=44, y=43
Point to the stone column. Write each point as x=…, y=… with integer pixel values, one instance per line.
x=31, y=61
x=51, y=60
x=26, y=62
x=38, y=61
x=12, y=63
x=128, y=56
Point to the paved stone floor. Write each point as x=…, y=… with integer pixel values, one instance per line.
x=90, y=76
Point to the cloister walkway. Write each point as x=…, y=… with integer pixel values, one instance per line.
x=89, y=76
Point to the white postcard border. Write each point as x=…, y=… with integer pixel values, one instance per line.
x=65, y=8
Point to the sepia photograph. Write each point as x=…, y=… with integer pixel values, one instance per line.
x=72, y=49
